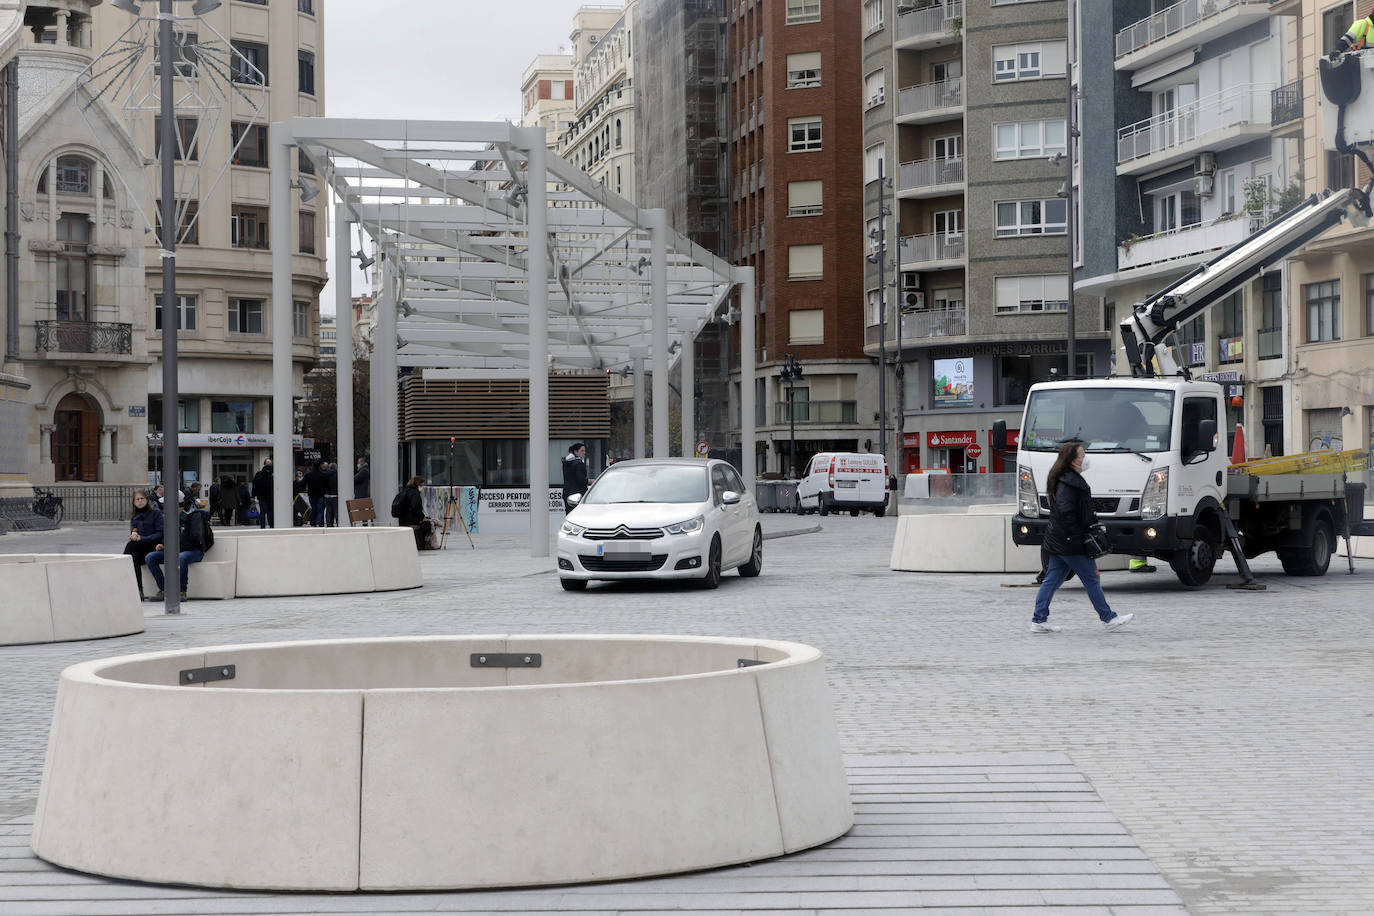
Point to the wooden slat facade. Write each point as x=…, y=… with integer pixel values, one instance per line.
x=579, y=408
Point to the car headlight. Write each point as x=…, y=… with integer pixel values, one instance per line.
x=1026, y=494
x=573, y=529
x=687, y=527
x=1154, y=501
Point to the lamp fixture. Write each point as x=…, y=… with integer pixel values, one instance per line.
x=128, y=6
x=308, y=191
x=643, y=263
x=515, y=195
x=364, y=261
x=201, y=7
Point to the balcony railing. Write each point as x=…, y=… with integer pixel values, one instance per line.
x=817, y=412
x=1269, y=342
x=929, y=23
x=85, y=337
x=1286, y=104
x=930, y=173
x=937, y=247
x=1172, y=20
x=937, y=323
x=1183, y=243
x=915, y=100
x=1173, y=129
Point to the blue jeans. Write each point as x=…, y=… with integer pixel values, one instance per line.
x=317, y=511
x=264, y=513
x=188, y=557
x=1058, y=572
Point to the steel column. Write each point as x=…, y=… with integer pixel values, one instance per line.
x=343, y=360
x=171, y=310
x=689, y=397
x=744, y=276
x=279, y=231
x=536, y=205
x=658, y=332
x=639, y=407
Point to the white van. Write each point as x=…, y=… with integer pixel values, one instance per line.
x=835, y=481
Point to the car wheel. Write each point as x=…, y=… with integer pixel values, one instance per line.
x=712, y=578
x=853, y=513
x=822, y=506
x=573, y=585
x=755, y=564
x=797, y=507
x=880, y=511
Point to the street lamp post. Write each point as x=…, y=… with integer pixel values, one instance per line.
x=880, y=256
x=790, y=372
x=171, y=307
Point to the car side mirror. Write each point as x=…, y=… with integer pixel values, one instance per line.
x=730, y=498
x=574, y=499
x=999, y=435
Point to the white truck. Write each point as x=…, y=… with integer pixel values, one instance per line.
x=1158, y=472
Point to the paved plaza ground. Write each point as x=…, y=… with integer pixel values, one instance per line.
x=1213, y=755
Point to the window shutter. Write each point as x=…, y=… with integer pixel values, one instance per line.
x=804, y=262
x=804, y=196
x=806, y=326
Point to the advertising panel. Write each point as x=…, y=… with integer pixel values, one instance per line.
x=953, y=382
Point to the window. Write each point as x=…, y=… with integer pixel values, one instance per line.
x=186, y=312
x=73, y=175
x=185, y=54
x=1180, y=210
x=875, y=88
x=306, y=225
x=231, y=416
x=1027, y=139
x=1323, y=310
x=300, y=319
x=1334, y=23
x=1368, y=305
x=948, y=223
x=188, y=231
x=245, y=317
x=305, y=72
x=186, y=131
x=1192, y=343
x=304, y=165
x=1270, y=333
x=73, y=267
x=804, y=134
x=248, y=63
x=1340, y=171
x=873, y=14
x=250, y=144
x=1032, y=293
x=1032, y=217
x=874, y=163
x=804, y=262
x=804, y=70
x=1029, y=61
x=248, y=227
x=945, y=300
x=76, y=438
x=306, y=6
x=1230, y=336
x=806, y=326
x=804, y=198
x=799, y=11
x=1195, y=410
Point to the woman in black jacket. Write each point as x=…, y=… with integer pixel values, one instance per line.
x=412, y=513
x=145, y=533
x=1071, y=515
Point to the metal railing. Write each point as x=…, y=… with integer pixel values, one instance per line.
x=1285, y=104
x=938, y=323
x=930, y=96
x=1172, y=20
x=940, y=246
x=85, y=336
x=814, y=412
x=930, y=173
x=929, y=22
x=1228, y=108
x=97, y=503
x=1269, y=342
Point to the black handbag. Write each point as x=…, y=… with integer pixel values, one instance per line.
x=1097, y=542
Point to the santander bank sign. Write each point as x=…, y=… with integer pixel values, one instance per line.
x=959, y=438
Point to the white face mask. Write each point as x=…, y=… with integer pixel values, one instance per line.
x=1083, y=464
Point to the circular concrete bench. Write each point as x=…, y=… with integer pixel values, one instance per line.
x=442, y=762
x=60, y=597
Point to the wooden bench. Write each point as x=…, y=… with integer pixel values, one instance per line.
x=361, y=511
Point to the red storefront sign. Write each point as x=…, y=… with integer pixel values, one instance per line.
x=956, y=438
x=911, y=440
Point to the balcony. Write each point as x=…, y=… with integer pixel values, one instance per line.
x=930, y=178
x=1229, y=118
x=931, y=102
x=1285, y=109
x=817, y=413
x=1183, y=26
x=929, y=27
x=932, y=252
x=919, y=327
x=1192, y=243
x=85, y=337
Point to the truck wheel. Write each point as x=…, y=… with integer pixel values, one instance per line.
x=822, y=506
x=853, y=513
x=1193, y=564
x=1313, y=559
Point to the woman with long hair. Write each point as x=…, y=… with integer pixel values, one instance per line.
x=1071, y=515
x=145, y=533
x=413, y=511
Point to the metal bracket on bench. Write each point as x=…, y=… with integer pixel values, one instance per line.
x=204, y=675
x=748, y=662
x=507, y=659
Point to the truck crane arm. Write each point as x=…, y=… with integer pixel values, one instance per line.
x=1144, y=331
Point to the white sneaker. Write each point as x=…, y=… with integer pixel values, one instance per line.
x=1044, y=627
x=1117, y=622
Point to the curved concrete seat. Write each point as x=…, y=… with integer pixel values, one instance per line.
x=978, y=541
x=388, y=764
x=60, y=597
x=319, y=561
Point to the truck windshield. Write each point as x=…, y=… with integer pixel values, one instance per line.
x=1103, y=419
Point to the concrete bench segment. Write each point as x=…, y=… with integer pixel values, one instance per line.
x=396, y=764
x=60, y=597
x=978, y=541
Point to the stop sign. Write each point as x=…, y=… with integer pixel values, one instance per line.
x=973, y=451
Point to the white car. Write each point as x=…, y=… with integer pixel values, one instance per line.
x=668, y=518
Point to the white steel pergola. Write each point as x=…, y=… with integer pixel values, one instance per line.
x=454, y=209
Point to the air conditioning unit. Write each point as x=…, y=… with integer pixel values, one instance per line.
x=1202, y=185
x=1205, y=164
x=913, y=301
x=911, y=280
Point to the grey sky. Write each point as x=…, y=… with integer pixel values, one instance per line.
x=452, y=60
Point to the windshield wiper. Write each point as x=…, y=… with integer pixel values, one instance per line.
x=1121, y=449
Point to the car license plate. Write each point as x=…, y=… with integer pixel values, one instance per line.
x=620, y=548
x=846, y=484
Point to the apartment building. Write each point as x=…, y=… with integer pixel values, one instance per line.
x=1207, y=122
x=599, y=138
x=224, y=302
x=795, y=170
x=14, y=387
x=546, y=94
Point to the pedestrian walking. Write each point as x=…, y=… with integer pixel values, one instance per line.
x=362, y=480
x=262, y=492
x=331, y=494
x=228, y=500
x=316, y=485
x=575, y=478
x=213, y=496
x=245, y=503
x=145, y=534
x=1071, y=515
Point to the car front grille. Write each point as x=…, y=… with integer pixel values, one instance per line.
x=622, y=533
x=630, y=562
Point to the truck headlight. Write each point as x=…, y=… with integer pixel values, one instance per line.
x=1154, y=501
x=1026, y=492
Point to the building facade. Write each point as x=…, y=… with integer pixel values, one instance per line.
x=546, y=94
x=600, y=136
x=224, y=271
x=14, y=387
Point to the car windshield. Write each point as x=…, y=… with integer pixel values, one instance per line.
x=1103, y=419
x=649, y=483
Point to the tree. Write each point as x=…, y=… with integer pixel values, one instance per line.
x=317, y=415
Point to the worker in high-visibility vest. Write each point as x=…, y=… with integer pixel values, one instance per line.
x=1355, y=37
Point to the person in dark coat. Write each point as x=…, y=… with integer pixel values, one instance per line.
x=262, y=492
x=331, y=494
x=145, y=533
x=1071, y=515
x=362, y=480
x=213, y=496
x=228, y=500
x=575, y=478
x=193, y=546
x=413, y=511
x=316, y=489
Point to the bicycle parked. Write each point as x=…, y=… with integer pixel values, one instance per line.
x=48, y=504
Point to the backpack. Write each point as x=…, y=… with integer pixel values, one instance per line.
x=398, y=504
x=199, y=518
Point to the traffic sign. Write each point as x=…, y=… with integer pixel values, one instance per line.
x=973, y=451
x=703, y=448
